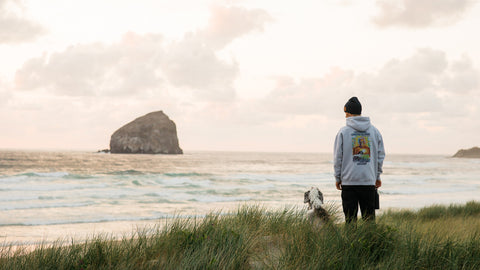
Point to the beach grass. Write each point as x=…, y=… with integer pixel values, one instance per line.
x=253, y=237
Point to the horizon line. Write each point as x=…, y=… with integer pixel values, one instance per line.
x=215, y=150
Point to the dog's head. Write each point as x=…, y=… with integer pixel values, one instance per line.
x=314, y=198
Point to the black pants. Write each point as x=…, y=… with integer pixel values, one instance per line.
x=352, y=196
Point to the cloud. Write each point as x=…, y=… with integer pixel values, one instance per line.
x=417, y=14
x=413, y=74
x=189, y=63
x=125, y=68
x=193, y=62
x=412, y=100
x=424, y=83
x=227, y=23
x=463, y=77
x=14, y=27
x=147, y=63
x=308, y=96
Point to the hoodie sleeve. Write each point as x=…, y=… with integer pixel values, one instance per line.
x=338, y=156
x=381, y=155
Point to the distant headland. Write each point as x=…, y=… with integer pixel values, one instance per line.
x=153, y=133
x=473, y=152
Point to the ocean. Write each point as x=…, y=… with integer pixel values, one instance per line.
x=50, y=196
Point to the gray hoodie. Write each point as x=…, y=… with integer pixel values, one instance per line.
x=358, y=153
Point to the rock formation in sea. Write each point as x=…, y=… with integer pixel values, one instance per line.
x=468, y=153
x=153, y=133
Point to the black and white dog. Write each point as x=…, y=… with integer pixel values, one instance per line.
x=314, y=198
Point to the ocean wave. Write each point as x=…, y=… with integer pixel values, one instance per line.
x=136, y=183
x=45, y=206
x=34, y=175
x=155, y=201
x=79, y=176
x=208, y=195
x=3, y=166
x=186, y=174
x=17, y=198
x=126, y=172
x=152, y=194
x=280, y=177
x=42, y=176
x=46, y=174
x=11, y=179
x=63, y=187
x=50, y=197
x=181, y=182
x=161, y=194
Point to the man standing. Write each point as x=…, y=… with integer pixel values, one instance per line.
x=358, y=159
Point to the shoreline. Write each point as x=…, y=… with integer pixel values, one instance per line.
x=48, y=234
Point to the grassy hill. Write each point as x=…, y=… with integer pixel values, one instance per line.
x=253, y=237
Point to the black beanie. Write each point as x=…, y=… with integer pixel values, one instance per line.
x=353, y=106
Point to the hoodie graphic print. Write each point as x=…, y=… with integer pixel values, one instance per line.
x=361, y=148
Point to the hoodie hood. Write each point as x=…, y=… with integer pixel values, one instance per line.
x=359, y=123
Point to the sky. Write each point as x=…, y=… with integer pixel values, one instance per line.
x=240, y=75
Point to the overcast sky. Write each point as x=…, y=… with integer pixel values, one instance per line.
x=252, y=75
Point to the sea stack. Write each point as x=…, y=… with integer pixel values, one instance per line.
x=153, y=133
x=468, y=153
